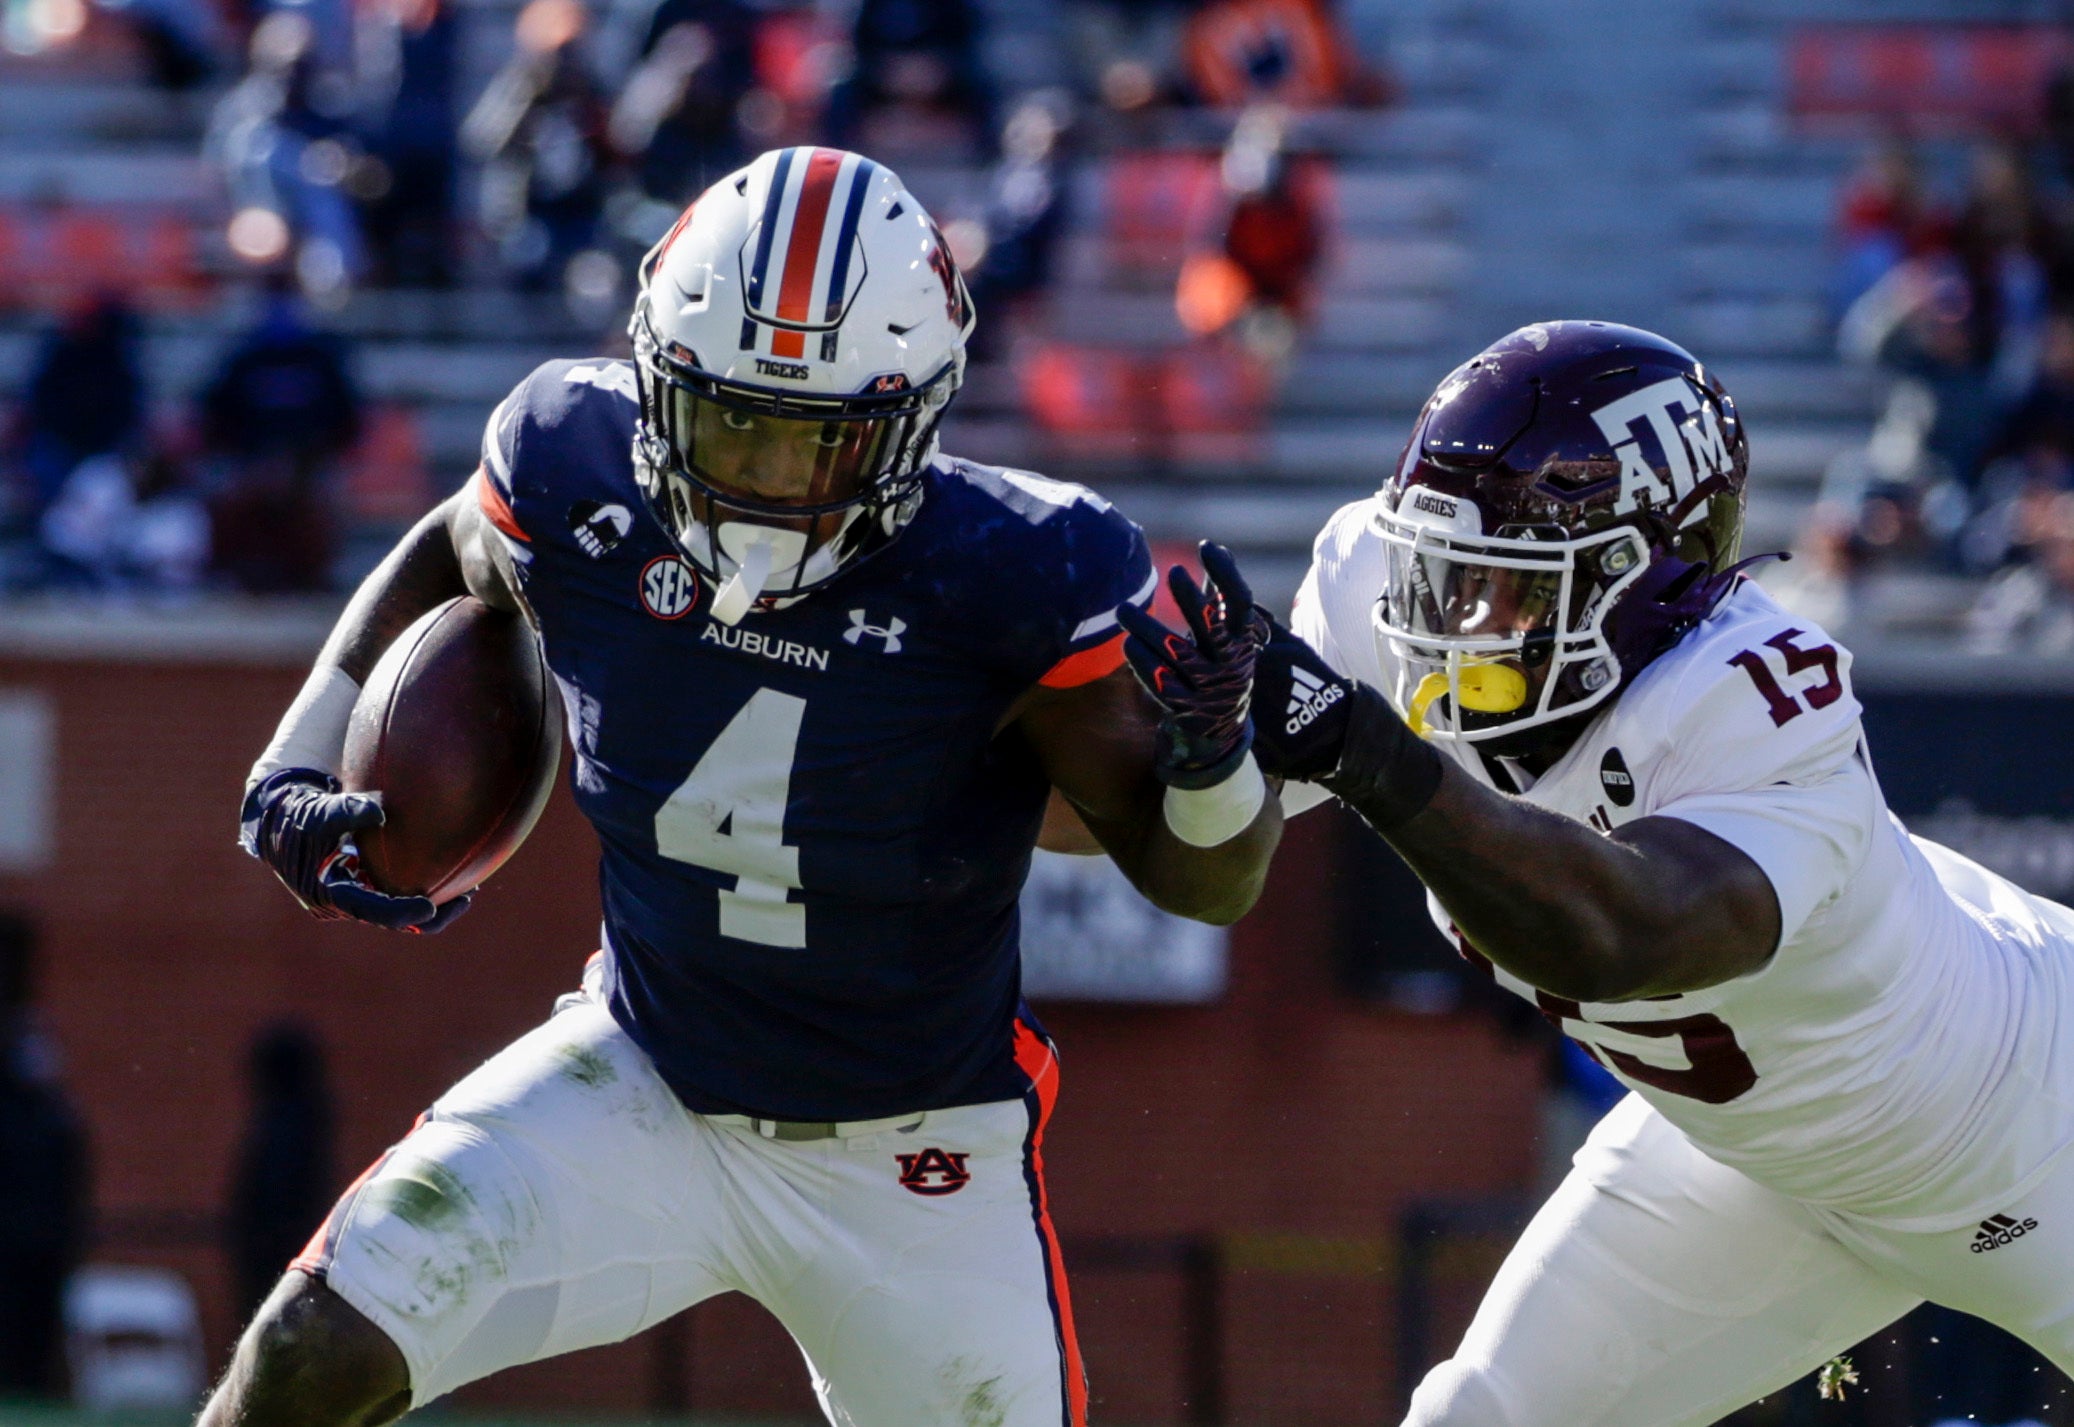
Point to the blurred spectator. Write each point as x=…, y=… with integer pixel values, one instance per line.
x=2033, y=457
x=113, y=529
x=539, y=130
x=1924, y=323
x=44, y=1194
x=1020, y=226
x=1253, y=264
x=1128, y=52
x=679, y=112
x=1997, y=238
x=284, y=1182
x=275, y=419
x=1961, y=328
x=1821, y=580
x=2042, y=425
x=85, y=396
x=181, y=39
x=918, y=56
x=407, y=59
x=1884, y=215
x=2029, y=607
x=282, y=139
x=1289, y=52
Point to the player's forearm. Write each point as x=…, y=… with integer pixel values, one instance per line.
x=1575, y=913
x=1543, y=896
x=1216, y=884
x=421, y=572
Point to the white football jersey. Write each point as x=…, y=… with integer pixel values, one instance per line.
x=1901, y=1054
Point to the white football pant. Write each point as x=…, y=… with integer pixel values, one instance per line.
x=561, y=1196
x=1659, y=1288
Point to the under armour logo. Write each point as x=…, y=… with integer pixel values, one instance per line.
x=933, y=1172
x=890, y=632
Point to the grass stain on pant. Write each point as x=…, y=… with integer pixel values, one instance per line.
x=978, y=1402
x=459, y=1254
x=588, y=1068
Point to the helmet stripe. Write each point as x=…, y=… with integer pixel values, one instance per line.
x=846, y=238
x=803, y=247
x=663, y=248
x=772, y=202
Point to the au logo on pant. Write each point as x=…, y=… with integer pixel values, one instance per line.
x=933, y=1172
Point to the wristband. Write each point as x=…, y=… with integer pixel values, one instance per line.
x=312, y=733
x=1386, y=772
x=1205, y=817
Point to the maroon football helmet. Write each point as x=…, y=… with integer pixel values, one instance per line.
x=1569, y=504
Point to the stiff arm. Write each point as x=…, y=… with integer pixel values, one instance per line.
x=1097, y=743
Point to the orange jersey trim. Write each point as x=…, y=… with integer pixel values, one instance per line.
x=1086, y=666
x=1034, y=1057
x=496, y=507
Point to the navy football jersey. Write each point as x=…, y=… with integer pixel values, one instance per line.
x=813, y=837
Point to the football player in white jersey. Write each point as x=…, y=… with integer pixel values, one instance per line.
x=1638, y=793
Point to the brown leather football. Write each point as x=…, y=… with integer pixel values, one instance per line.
x=460, y=730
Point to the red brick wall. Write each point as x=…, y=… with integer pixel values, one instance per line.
x=1281, y=1116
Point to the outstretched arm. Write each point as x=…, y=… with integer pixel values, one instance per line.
x=1099, y=744
x=1657, y=907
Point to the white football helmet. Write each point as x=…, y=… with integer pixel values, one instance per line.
x=797, y=337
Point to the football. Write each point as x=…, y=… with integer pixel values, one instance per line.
x=460, y=730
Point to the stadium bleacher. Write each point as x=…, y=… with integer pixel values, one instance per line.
x=1449, y=207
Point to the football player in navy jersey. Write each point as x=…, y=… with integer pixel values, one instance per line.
x=823, y=683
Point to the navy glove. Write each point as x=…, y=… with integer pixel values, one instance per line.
x=1319, y=726
x=1202, y=680
x=298, y=823
x=1303, y=709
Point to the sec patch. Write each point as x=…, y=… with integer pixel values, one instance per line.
x=669, y=587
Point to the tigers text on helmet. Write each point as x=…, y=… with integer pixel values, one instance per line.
x=797, y=337
x=1569, y=504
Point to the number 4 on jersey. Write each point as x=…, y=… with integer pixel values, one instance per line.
x=729, y=815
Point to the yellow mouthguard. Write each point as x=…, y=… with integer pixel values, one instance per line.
x=1486, y=688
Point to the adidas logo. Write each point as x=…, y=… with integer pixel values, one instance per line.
x=1999, y=1229
x=1310, y=696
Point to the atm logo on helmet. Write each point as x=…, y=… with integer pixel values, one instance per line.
x=1687, y=429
